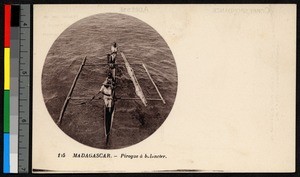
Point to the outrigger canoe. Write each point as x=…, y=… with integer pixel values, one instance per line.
x=109, y=112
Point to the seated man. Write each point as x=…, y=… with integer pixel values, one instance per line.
x=113, y=57
x=110, y=78
x=107, y=89
x=111, y=64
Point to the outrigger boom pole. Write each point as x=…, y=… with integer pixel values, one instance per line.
x=162, y=99
x=70, y=92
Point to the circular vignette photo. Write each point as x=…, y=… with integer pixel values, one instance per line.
x=109, y=81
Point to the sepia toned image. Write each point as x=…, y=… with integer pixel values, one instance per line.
x=109, y=81
x=133, y=88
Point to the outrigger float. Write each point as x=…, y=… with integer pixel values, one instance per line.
x=109, y=112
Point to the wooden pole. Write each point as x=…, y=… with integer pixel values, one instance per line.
x=70, y=92
x=162, y=99
x=148, y=99
x=138, y=89
x=81, y=98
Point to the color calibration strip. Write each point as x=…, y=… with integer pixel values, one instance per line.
x=16, y=88
x=6, y=110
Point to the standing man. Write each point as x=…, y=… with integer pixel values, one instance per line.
x=114, y=51
x=111, y=58
x=114, y=48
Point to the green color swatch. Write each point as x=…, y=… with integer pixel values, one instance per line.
x=6, y=111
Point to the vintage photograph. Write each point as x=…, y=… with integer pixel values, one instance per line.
x=109, y=81
x=134, y=88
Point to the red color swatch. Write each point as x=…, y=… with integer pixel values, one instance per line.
x=7, y=16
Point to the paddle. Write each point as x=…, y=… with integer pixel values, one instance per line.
x=88, y=101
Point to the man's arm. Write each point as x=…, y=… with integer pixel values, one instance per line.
x=101, y=90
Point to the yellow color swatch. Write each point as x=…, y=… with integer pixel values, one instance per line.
x=6, y=68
